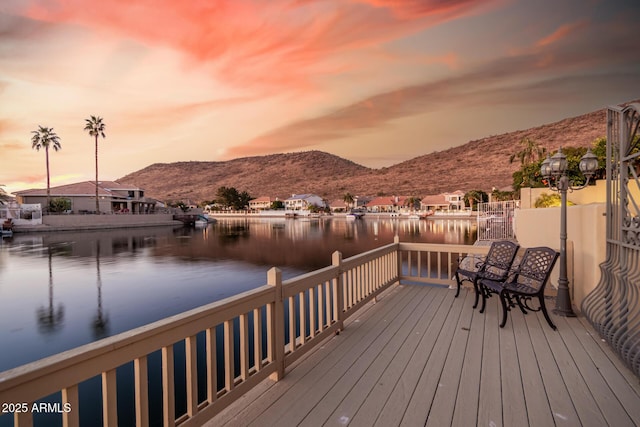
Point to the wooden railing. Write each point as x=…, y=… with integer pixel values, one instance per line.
x=247, y=338
x=434, y=263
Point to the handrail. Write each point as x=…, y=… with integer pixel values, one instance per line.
x=294, y=315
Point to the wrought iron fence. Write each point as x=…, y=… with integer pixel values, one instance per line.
x=495, y=220
x=613, y=308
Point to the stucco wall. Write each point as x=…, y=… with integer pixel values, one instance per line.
x=78, y=221
x=586, y=242
x=591, y=194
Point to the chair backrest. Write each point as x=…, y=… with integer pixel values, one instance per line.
x=500, y=257
x=535, y=267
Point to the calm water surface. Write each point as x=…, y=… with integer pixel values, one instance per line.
x=62, y=290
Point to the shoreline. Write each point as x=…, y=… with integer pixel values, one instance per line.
x=53, y=223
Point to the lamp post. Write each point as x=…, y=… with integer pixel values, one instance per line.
x=554, y=170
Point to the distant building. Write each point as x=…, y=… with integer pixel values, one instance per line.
x=112, y=197
x=387, y=203
x=443, y=201
x=338, y=205
x=261, y=203
x=303, y=201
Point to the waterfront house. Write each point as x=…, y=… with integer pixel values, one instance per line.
x=339, y=205
x=455, y=199
x=261, y=203
x=303, y=201
x=113, y=197
x=443, y=201
x=387, y=203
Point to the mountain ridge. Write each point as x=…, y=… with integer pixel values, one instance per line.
x=479, y=164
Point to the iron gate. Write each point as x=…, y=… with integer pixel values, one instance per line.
x=495, y=220
x=613, y=308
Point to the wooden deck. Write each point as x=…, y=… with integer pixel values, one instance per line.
x=419, y=356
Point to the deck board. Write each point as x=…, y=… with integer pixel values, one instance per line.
x=422, y=357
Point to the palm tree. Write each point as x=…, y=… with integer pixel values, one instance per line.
x=95, y=127
x=45, y=137
x=348, y=200
x=4, y=197
x=531, y=152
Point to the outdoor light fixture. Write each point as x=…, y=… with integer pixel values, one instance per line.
x=554, y=171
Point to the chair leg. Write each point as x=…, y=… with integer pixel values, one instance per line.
x=459, y=284
x=476, y=287
x=484, y=297
x=543, y=307
x=503, y=300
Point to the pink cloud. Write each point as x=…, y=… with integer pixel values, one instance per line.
x=559, y=70
x=561, y=33
x=276, y=45
x=410, y=9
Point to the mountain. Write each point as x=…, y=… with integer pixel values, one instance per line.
x=481, y=164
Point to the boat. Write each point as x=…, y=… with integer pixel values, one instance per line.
x=6, y=228
x=203, y=220
x=414, y=216
x=354, y=215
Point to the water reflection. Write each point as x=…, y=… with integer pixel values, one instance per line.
x=117, y=280
x=49, y=318
x=101, y=320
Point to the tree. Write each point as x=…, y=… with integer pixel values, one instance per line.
x=229, y=197
x=546, y=200
x=530, y=156
x=95, y=127
x=277, y=204
x=4, y=197
x=348, y=200
x=413, y=202
x=473, y=197
x=44, y=138
x=531, y=152
x=59, y=204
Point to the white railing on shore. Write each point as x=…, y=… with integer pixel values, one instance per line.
x=263, y=331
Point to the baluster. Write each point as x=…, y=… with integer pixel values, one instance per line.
x=292, y=324
x=244, y=347
x=327, y=307
x=109, y=399
x=168, y=390
x=229, y=366
x=321, y=306
x=257, y=339
x=141, y=374
x=312, y=311
x=212, y=372
x=23, y=419
x=192, y=375
x=302, y=314
x=70, y=396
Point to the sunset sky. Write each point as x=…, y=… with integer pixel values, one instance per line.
x=374, y=81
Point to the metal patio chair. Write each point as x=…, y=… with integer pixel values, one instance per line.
x=495, y=266
x=526, y=283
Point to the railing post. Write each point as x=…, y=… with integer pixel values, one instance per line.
x=338, y=291
x=274, y=278
x=396, y=240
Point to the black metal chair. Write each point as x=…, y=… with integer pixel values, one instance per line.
x=495, y=266
x=526, y=283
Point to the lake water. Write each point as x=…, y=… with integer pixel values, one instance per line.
x=62, y=290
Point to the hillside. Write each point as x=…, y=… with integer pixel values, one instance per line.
x=481, y=164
